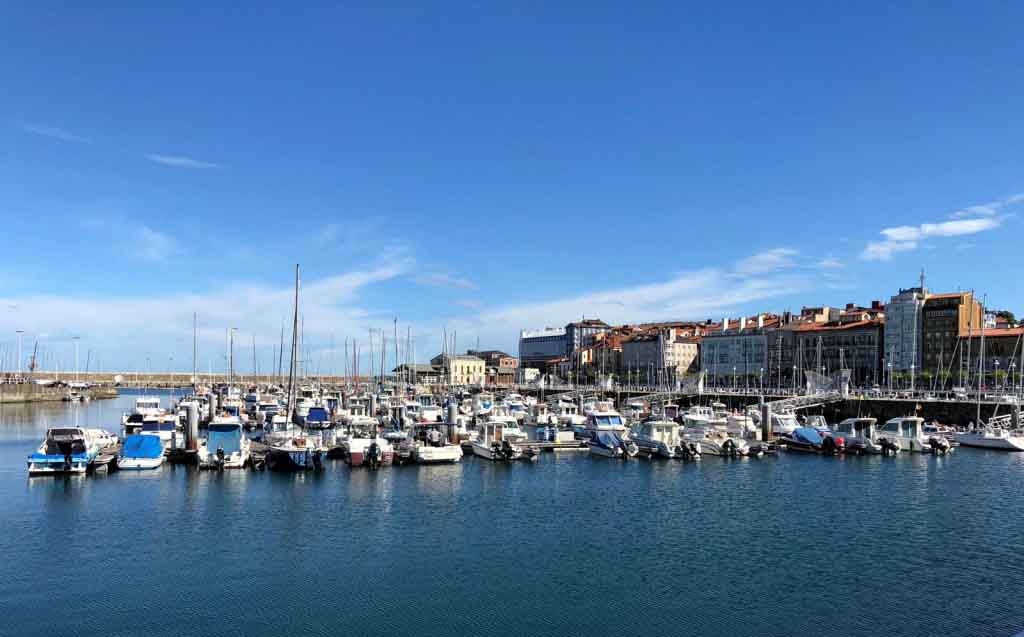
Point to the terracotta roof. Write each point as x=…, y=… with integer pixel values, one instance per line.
x=995, y=332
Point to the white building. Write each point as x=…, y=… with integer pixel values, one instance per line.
x=737, y=349
x=664, y=356
x=903, y=324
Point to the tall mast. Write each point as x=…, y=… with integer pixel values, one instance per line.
x=981, y=363
x=195, y=352
x=295, y=338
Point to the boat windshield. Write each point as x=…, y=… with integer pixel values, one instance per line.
x=158, y=426
x=608, y=420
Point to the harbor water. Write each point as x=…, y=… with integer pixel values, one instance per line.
x=570, y=545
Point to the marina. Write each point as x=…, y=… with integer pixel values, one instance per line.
x=418, y=524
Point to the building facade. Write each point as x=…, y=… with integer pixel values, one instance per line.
x=461, y=370
x=660, y=357
x=944, y=318
x=583, y=333
x=904, y=315
x=538, y=348
x=830, y=347
x=736, y=354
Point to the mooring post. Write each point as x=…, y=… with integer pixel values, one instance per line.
x=766, y=420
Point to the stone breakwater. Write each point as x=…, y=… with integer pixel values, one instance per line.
x=31, y=393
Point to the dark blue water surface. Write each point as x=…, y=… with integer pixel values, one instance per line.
x=572, y=545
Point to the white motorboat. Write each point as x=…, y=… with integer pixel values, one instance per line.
x=715, y=440
x=369, y=451
x=784, y=424
x=568, y=414
x=603, y=417
x=428, y=445
x=907, y=433
x=226, y=446
x=141, y=452
x=859, y=434
x=661, y=438
x=492, y=442
x=64, y=450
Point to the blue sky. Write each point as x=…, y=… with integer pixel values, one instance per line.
x=486, y=169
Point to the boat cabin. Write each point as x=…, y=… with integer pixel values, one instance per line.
x=906, y=427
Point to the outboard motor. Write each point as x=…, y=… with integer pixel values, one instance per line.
x=507, y=452
x=939, y=445
x=729, y=448
x=373, y=455
x=317, y=460
x=66, y=448
x=889, y=448
x=220, y=458
x=828, y=446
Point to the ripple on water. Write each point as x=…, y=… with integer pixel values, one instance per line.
x=572, y=545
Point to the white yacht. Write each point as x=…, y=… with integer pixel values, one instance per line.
x=715, y=440
x=995, y=435
x=907, y=433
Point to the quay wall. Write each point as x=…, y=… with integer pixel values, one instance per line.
x=31, y=393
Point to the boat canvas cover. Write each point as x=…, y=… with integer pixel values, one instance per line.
x=807, y=435
x=140, y=446
x=317, y=414
x=608, y=439
x=226, y=437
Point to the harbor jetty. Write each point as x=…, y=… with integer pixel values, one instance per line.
x=29, y=392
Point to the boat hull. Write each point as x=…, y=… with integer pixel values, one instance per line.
x=139, y=464
x=287, y=460
x=437, y=455
x=998, y=444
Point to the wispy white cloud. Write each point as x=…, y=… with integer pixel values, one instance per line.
x=768, y=261
x=180, y=162
x=988, y=209
x=53, y=132
x=829, y=263
x=443, y=279
x=123, y=327
x=968, y=221
x=152, y=245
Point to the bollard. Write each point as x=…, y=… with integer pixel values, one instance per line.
x=192, y=428
x=766, y=421
x=453, y=416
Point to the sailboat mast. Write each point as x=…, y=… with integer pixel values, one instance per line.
x=195, y=352
x=981, y=365
x=295, y=338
